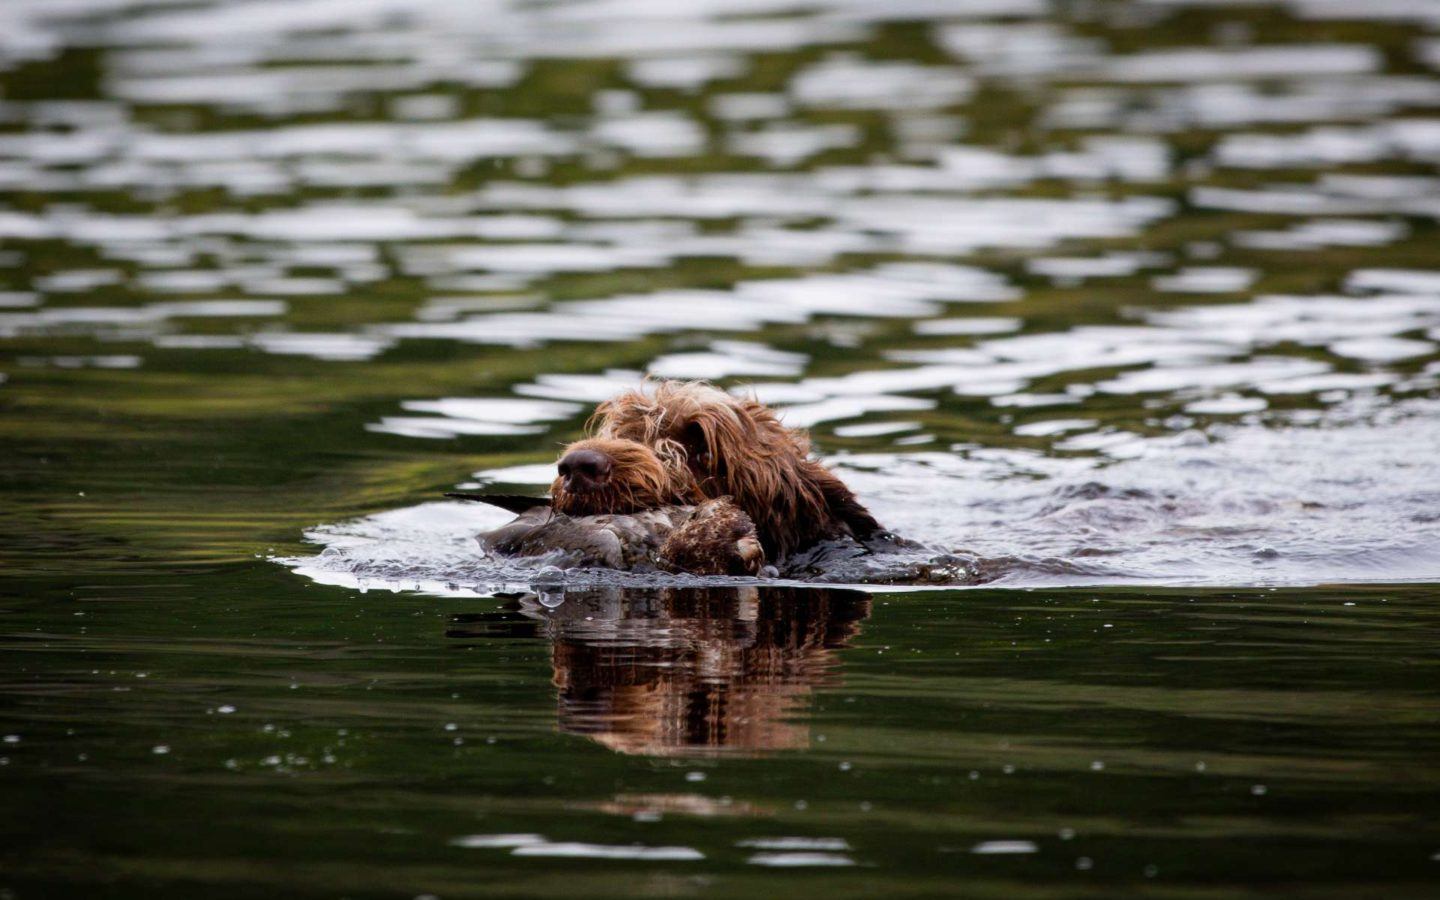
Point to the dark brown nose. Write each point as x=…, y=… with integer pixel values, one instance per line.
x=584, y=469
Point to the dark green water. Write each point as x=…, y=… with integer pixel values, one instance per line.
x=1137, y=303
x=322, y=742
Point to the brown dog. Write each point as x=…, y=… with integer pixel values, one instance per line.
x=712, y=444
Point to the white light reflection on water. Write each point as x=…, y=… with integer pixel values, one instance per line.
x=799, y=859
x=576, y=850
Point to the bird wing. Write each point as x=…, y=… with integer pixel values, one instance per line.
x=515, y=503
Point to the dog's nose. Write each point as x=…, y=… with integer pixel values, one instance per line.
x=584, y=466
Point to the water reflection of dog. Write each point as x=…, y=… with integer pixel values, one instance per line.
x=693, y=671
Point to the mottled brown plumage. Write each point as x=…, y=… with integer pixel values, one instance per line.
x=713, y=538
x=613, y=507
x=717, y=539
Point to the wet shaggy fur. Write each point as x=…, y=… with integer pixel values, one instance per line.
x=712, y=444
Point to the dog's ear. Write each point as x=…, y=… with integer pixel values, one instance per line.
x=842, y=505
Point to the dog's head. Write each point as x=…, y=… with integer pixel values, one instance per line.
x=725, y=445
x=610, y=475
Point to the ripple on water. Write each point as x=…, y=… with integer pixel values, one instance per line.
x=1140, y=292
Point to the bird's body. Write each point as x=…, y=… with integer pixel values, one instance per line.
x=608, y=541
x=711, y=538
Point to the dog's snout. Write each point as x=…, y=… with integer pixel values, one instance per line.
x=585, y=466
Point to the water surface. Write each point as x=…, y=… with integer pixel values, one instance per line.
x=1127, y=312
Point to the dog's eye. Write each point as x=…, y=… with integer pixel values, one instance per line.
x=696, y=447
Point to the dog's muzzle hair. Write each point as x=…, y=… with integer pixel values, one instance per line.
x=711, y=444
x=608, y=475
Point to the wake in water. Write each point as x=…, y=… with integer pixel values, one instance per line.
x=1353, y=496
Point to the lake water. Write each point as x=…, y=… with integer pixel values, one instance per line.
x=1126, y=311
